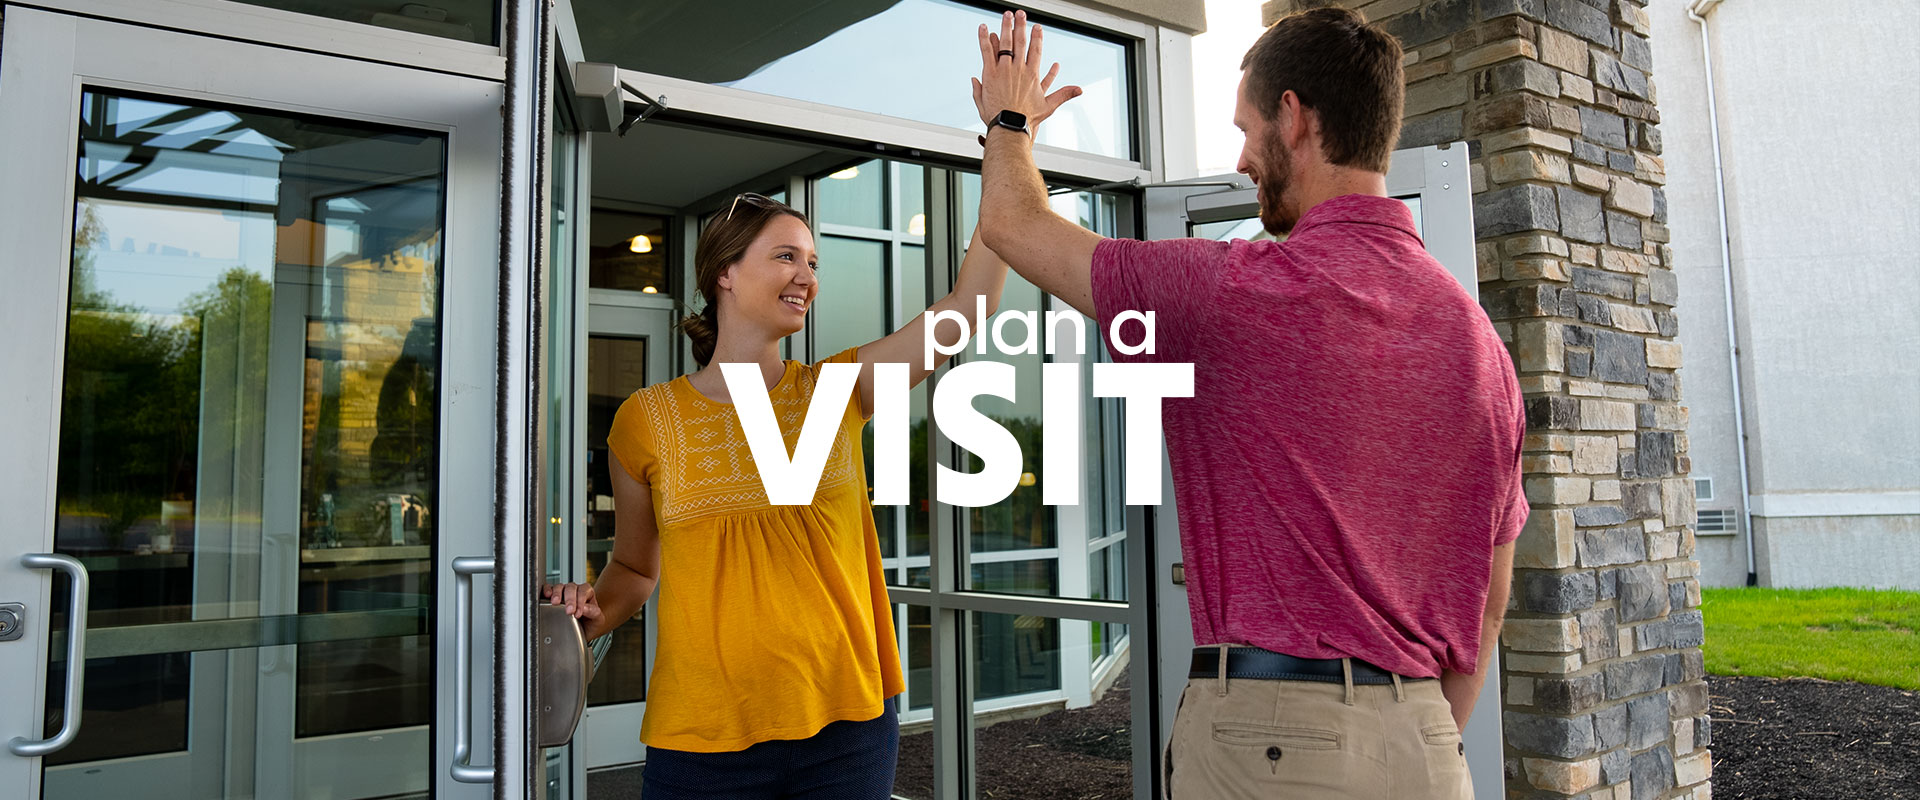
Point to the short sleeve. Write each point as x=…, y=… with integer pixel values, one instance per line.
x=630, y=440
x=1173, y=278
x=847, y=356
x=1515, y=507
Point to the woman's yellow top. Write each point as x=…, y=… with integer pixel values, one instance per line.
x=773, y=620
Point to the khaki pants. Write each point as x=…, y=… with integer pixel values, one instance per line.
x=1246, y=738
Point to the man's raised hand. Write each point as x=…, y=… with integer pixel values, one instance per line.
x=1010, y=78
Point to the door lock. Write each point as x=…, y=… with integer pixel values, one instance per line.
x=12, y=617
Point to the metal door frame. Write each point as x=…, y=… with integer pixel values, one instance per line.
x=49, y=56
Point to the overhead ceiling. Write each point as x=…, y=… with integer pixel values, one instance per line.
x=665, y=165
x=710, y=42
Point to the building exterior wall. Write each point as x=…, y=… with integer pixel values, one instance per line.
x=1602, y=666
x=1811, y=552
x=1823, y=226
x=1186, y=16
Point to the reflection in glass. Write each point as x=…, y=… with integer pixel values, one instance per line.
x=913, y=294
x=913, y=769
x=915, y=40
x=616, y=368
x=1068, y=751
x=628, y=252
x=851, y=307
x=1014, y=654
x=1031, y=576
x=563, y=282
x=854, y=195
x=912, y=200
x=461, y=20
x=1021, y=521
x=1231, y=229
x=249, y=427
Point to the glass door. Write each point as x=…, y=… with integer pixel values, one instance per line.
x=628, y=346
x=252, y=420
x=1433, y=182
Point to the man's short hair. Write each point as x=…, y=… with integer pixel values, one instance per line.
x=1344, y=69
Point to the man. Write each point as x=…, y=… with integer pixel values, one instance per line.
x=1347, y=471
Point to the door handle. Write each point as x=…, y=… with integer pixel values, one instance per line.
x=463, y=770
x=564, y=673
x=76, y=655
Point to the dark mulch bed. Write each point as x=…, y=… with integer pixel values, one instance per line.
x=1811, y=739
x=1083, y=754
x=1772, y=739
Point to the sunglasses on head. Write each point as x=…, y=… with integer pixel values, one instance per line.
x=753, y=199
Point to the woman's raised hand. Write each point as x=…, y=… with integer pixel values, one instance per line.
x=577, y=597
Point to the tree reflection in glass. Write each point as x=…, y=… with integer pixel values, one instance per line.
x=249, y=413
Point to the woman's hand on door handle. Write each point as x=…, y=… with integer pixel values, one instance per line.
x=579, y=600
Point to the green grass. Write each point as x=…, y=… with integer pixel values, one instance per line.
x=1860, y=635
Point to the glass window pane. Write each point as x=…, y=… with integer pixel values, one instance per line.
x=913, y=772
x=244, y=281
x=913, y=294
x=1031, y=576
x=1230, y=229
x=462, y=20
x=854, y=196
x=918, y=655
x=628, y=251
x=913, y=200
x=969, y=204
x=1080, y=751
x=563, y=220
x=616, y=367
x=850, y=309
x=1413, y=205
x=1021, y=521
x=908, y=59
x=1014, y=655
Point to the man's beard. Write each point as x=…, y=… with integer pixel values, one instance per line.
x=1273, y=186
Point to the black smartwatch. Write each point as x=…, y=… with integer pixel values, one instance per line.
x=1011, y=120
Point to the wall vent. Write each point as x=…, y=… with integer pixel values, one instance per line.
x=1716, y=521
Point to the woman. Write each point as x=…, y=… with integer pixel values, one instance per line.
x=777, y=654
x=777, y=660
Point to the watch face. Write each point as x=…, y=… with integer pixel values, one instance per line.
x=1011, y=119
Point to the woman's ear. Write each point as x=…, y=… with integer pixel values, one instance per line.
x=725, y=280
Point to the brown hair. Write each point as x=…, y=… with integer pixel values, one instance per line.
x=722, y=245
x=1344, y=69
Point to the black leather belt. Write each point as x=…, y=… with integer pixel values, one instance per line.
x=1253, y=662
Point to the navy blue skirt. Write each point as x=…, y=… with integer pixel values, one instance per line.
x=844, y=761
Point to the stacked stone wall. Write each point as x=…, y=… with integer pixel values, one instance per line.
x=1602, y=676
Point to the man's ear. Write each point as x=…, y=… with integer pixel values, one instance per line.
x=1297, y=123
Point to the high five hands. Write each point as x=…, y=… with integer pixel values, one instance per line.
x=1010, y=74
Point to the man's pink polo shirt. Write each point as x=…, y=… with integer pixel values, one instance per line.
x=1351, y=454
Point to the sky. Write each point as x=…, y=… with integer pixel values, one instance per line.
x=1232, y=26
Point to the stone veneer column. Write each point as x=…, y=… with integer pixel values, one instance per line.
x=1603, y=678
